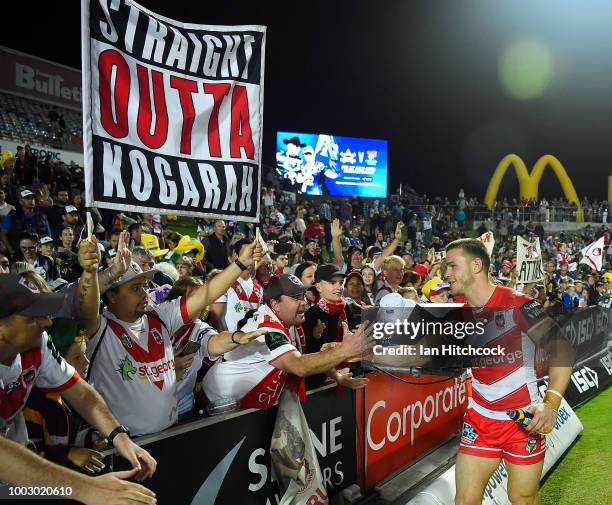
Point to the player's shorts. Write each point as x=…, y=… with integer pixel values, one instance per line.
x=492, y=438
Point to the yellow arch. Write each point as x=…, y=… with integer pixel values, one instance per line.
x=529, y=183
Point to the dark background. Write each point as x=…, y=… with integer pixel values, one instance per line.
x=424, y=74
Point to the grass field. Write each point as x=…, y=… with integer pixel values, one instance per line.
x=584, y=475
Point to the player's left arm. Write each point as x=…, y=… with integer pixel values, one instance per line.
x=545, y=332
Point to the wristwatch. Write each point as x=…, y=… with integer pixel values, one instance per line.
x=115, y=432
x=241, y=265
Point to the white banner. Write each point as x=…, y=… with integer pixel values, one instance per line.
x=488, y=240
x=173, y=113
x=293, y=455
x=593, y=254
x=42, y=152
x=528, y=260
x=442, y=490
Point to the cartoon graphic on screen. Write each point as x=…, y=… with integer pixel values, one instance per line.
x=315, y=164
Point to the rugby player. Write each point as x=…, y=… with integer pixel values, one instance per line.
x=518, y=323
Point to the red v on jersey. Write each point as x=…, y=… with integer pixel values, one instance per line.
x=155, y=343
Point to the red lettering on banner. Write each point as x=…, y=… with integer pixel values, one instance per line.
x=185, y=88
x=218, y=91
x=158, y=138
x=316, y=499
x=241, y=134
x=115, y=124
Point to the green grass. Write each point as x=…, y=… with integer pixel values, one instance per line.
x=584, y=475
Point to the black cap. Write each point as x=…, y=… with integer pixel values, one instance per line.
x=18, y=299
x=284, y=284
x=327, y=272
x=294, y=140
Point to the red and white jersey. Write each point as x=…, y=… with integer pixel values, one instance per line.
x=247, y=373
x=242, y=296
x=199, y=332
x=134, y=367
x=496, y=388
x=42, y=367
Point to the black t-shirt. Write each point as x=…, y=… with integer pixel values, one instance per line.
x=314, y=314
x=216, y=252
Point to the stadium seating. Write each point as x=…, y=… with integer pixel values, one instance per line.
x=27, y=121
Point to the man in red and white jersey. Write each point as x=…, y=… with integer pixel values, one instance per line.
x=244, y=294
x=131, y=353
x=256, y=373
x=517, y=323
x=28, y=358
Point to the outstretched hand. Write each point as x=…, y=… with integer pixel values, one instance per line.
x=123, y=260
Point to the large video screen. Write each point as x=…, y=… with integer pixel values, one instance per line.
x=314, y=164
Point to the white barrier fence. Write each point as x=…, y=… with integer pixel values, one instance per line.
x=442, y=490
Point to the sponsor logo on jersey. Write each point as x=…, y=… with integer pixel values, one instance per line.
x=155, y=371
x=29, y=375
x=126, y=369
x=468, y=434
x=13, y=386
x=238, y=307
x=532, y=443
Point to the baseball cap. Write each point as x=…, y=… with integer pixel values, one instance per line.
x=134, y=272
x=354, y=273
x=327, y=272
x=434, y=287
x=372, y=251
x=284, y=284
x=26, y=194
x=421, y=270
x=396, y=300
x=151, y=242
x=507, y=264
x=46, y=240
x=353, y=249
x=70, y=209
x=18, y=299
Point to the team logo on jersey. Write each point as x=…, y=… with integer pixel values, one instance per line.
x=468, y=435
x=29, y=375
x=126, y=341
x=157, y=336
x=238, y=288
x=238, y=307
x=532, y=443
x=500, y=320
x=126, y=369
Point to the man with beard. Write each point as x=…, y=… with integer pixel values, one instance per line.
x=256, y=373
x=131, y=353
x=56, y=211
x=517, y=323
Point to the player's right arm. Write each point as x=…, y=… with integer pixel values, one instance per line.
x=21, y=467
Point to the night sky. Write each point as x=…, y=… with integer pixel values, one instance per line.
x=423, y=74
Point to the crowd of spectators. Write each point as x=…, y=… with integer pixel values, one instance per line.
x=168, y=325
